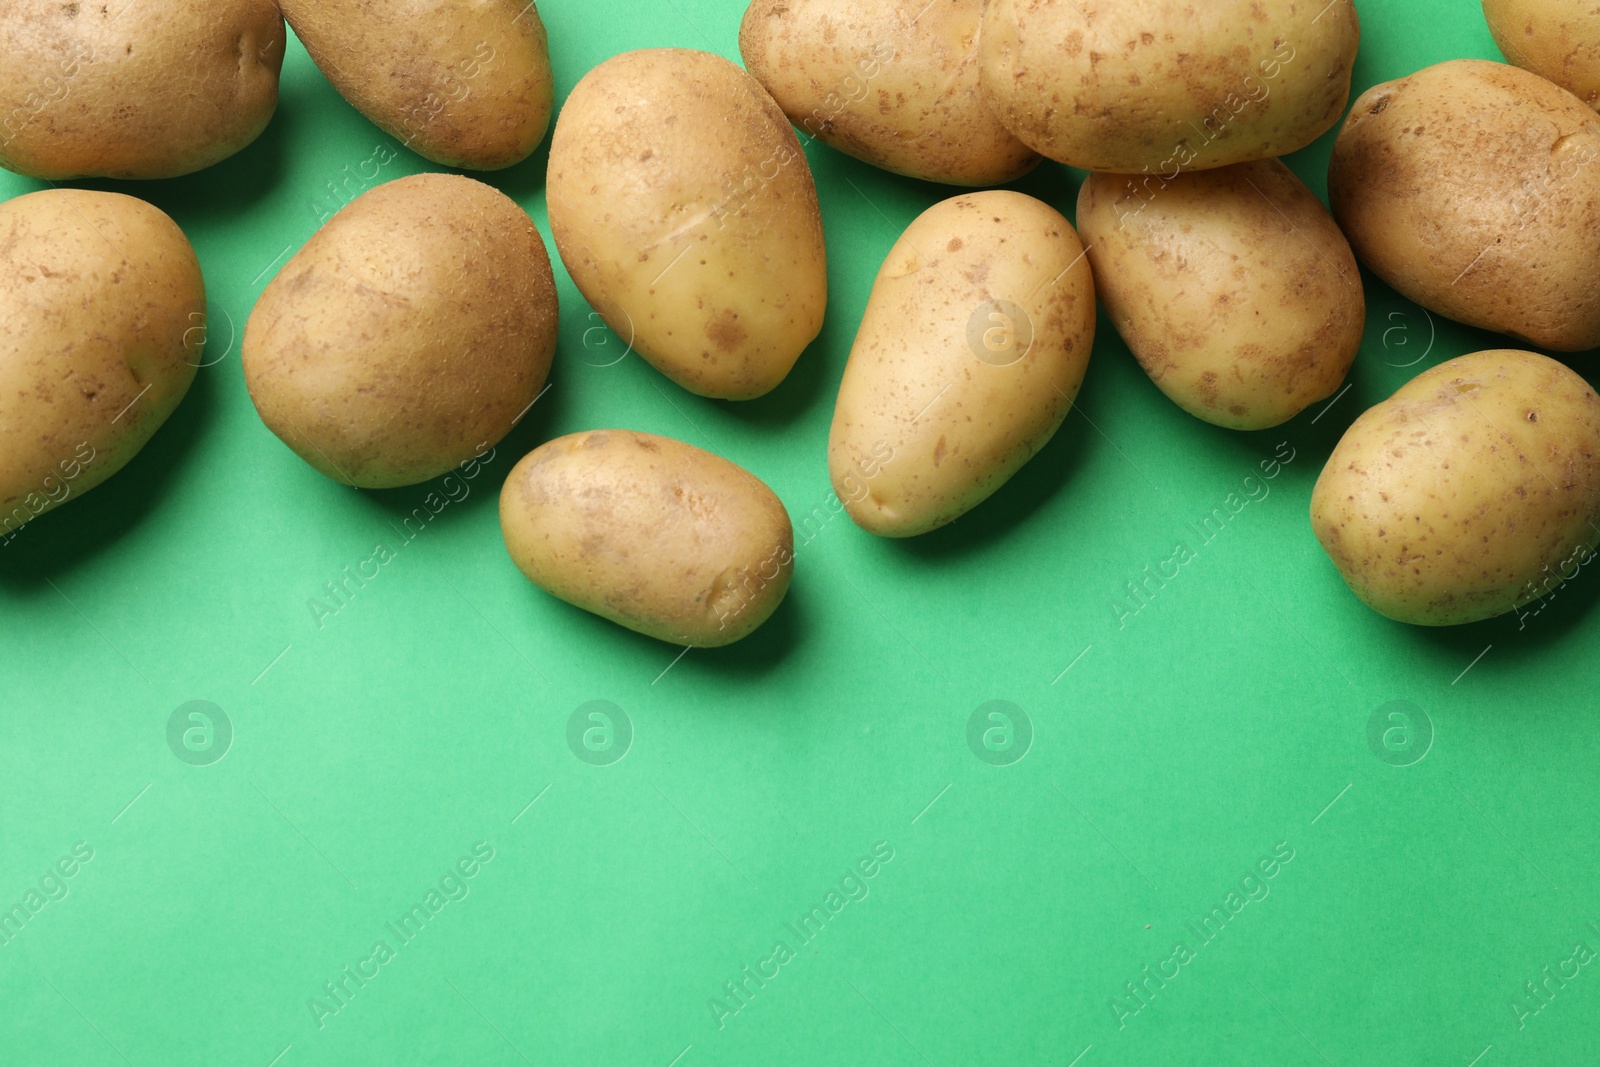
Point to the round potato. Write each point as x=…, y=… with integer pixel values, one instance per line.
x=412, y=331
x=974, y=343
x=651, y=533
x=171, y=88
x=1471, y=491
x=1232, y=287
x=892, y=83
x=1556, y=39
x=1163, y=86
x=105, y=313
x=685, y=212
x=465, y=83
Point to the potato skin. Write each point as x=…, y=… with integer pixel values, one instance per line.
x=651, y=533
x=1460, y=497
x=1471, y=188
x=409, y=333
x=104, y=311
x=173, y=88
x=465, y=83
x=1167, y=85
x=1233, y=288
x=685, y=211
x=940, y=404
x=892, y=82
x=1555, y=39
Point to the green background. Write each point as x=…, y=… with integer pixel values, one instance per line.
x=1169, y=755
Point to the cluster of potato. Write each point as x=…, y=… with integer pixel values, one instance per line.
x=418, y=325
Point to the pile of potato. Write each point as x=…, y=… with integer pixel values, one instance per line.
x=420, y=323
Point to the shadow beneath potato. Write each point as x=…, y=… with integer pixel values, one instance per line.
x=523, y=182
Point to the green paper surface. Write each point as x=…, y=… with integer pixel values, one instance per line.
x=1146, y=765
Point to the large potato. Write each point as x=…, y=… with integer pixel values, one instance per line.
x=465, y=83
x=119, y=90
x=891, y=82
x=973, y=346
x=1232, y=287
x=651, y=533
x=413, y=330
x=1471, y=188
x=1471, y=491
x=685, y=212
x=1556, y=39
x=1163, y=86
x=104, y=313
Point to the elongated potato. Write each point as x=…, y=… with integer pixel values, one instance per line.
x=891, y=82
x=1555, y=39
x=685, y=212
x=651, y=533
x=974, y=343
x=1471, y=491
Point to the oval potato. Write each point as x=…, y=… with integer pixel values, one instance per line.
x=651, y=533
x=412, y=331
x=1555, y=39
x=1471, y=491
x=684, y=209
x=1233, y=288
x=105, y=312
x=974, y=343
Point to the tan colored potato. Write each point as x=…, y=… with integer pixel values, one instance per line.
x=891, y=82
x=412, y=331
x=1232, y=287
x=651, y=533
x=465, y=83
x=171, y=88
x=973, y=346
x=1472, y=188
x=104, y=313
x=685, y=212
x=1556, y=39
x=1472, y=490
x=1167, y=85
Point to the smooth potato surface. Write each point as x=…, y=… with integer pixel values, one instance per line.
x=1555, y=39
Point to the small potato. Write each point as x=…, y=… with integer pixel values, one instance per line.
x=105, y=313
x=685, y=212
x=1556, y=39
x=891, y=82
x=1162, y=86
x=412, y=331
x=1471, y=491
x=974, y=343
x=465, y=83
x=119, y=90
x=1232, y=287
x=651, y=533
x=1472, y=188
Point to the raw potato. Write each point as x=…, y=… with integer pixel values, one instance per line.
x=1232, y=287
x=465, y=83
x=965, y=364
x=651, y=533
x=104, y=312
x=1167, y=85
x=685, y=212
x=1471, y=187
x=172, y=88
x=1556, y=39
x=411, y=332
x=1472, y=490
x=891, y=82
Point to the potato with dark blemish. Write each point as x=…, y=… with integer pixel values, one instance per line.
x=891, y=82
x=1473, y=188
x=1471, y=491
x=651, y=533
x=1556, y=39
x=685, y=211
x=974, y=343
x=1233, y=288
